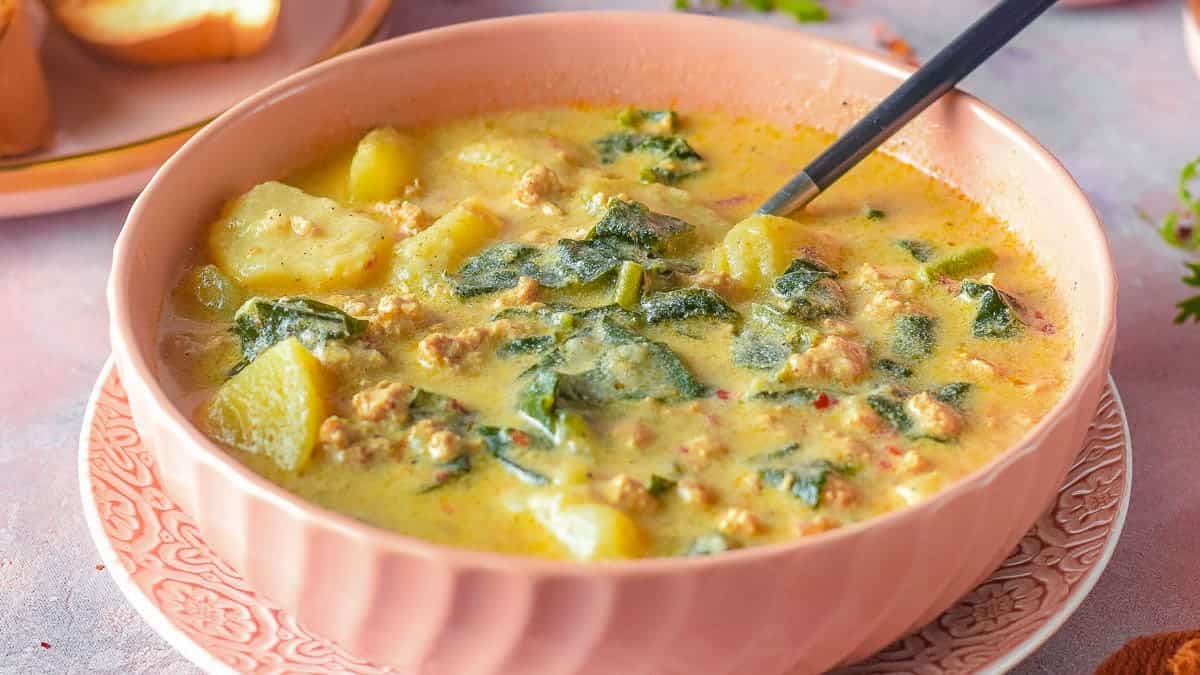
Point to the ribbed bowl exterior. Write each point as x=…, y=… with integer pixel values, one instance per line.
x=796, y=608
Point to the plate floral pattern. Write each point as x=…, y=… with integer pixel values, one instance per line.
x=205, y=609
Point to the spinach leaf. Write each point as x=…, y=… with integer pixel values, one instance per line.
x=769, y=337
x=776, y=455
x=914, y=336
x=957, y=264
x=537, y=401
x=673, y=159
x=632, y=367
x=997, y=317
x=659, y=485
x=632, y=222
x=872, y=213
x=584, y=261
x=709, y=544
x=658, y=121
x=448, y=472
x=804, y=481
x=893, y=369
x=534, y=344
x=954, y=393
x=808, y=290
x=919, y=250
x=261, y=322
x=799, y=395
x=503, y=444
x=892, y=412
x=686, y=303
x=497, y=268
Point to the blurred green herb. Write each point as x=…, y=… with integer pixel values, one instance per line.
x=1178, y=229
x=803, y=11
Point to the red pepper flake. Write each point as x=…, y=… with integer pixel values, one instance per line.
x=723, y=394
x=1049, y=329
x=894, y=450
x=899, y=47
x=884, y=464
x=519, y=437
x=45, y=645
x=100, y=567
x=683, y=449
x=822, y=401
x=1038, y=314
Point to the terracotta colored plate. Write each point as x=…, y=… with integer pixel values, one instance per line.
x=116, y=123
x=1191, y=31
x=206, y=611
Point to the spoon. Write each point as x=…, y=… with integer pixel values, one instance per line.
x=971, y=48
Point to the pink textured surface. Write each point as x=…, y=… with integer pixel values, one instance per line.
x=1109, y=91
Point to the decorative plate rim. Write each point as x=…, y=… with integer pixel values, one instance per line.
x=206, y=661
x=143, y=155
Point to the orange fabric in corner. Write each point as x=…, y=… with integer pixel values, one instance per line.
x=1166, y=653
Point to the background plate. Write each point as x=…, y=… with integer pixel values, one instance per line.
x=116, y=123
x=205, y=610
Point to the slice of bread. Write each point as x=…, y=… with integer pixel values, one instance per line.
x=159, y=32
x=24, y=100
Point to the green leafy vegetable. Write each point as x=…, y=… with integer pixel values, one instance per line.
x=673, y=159
x=633, y=222
x=919, y=250
x=802, y=395
x=954, y=393
x=659, y=485
x=534, y=344
x=769, y=337
x=803, y=11
x=957, y=264
x=654, y=121
x=914, y=336
x=498, y=268
x=997, y=317
x=804, y=481
x=893, y=369
x=686, y=303
x=503, y=444
x=776, y=455
x=808, y=290
x=448, y=472
x=631, y=367
x=872, y=213
x=1190, y=308
x=892, y=412
x=261, y=322
x=537, y=401
x=709, y=544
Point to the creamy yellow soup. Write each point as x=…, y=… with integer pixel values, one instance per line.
x=564, y=333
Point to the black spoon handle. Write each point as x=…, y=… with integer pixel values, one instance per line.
x=935, y=78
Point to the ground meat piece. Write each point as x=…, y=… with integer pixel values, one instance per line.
x=408, y=218
x=856, y=414
x=524, y=293
x=444, y=446
x=740, y=522
x=913, y=462
x=838, y=327
x=933, y=417
x=382, y=400
x=535, y=185
x=440, y=350
x=721, y=282
x=397, y=313
x=816, y=525
x=694, y=492
x=838, y=492
x=888, y=296
x=335, y=432
x=702, y=450
x=833, y=358
x=633, y=435
x=628, y=493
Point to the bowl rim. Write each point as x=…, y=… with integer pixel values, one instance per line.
x=394, y=543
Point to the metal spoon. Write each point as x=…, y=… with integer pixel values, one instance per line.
x=971, y=48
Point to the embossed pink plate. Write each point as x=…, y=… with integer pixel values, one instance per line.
x=206, y=610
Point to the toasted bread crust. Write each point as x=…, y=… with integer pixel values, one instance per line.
x=25, y=122
x=207, y=37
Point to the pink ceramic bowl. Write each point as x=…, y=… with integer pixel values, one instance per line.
x=799, y=607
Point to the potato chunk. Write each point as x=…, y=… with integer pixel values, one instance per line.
x=445, y=245
x=514, y=156
x=760, y=248
x=588, y=531
x=385, y=161
x=278, y=237
x=273, y=407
